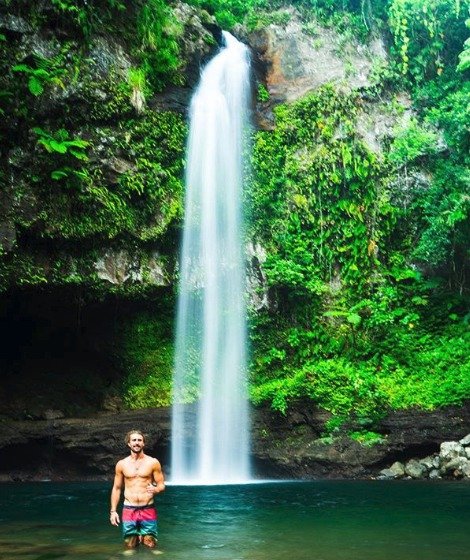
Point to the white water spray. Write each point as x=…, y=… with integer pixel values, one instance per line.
x=210, y=443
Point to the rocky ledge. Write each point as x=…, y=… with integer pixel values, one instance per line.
x=452, y=461
x=290, y=446
x=293, y=446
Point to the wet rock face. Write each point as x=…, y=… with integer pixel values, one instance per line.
x=197, y=42
x=117, y=267
x=68, y=449
x=298, y=60
x=292, y=445
x=14, y=25
x=109, y=56
x=287, y=446
x=295, y=59
x=256, y=277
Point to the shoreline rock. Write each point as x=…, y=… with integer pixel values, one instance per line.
x=452, y=461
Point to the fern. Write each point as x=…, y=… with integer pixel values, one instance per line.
x=61, y=143
x=48, y=72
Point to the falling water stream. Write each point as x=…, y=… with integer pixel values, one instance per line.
x=210, y=437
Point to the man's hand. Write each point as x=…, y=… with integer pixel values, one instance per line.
x=152, y=489
x=114, y=518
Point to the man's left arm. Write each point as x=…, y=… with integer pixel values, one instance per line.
x=158, y=477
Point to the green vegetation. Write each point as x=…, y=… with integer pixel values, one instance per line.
x=44, y=74
x=88, y=16
x=84, y=203
x=367, y=260
x=139, y=205
x=99, y=172
x=367, y=256
x=428, y=35
x=61, y=143
x=229, y=12
x=263, y=93
x=412, y=142
x=145, y=350
x=158, y=32
x=348, y=16
x=314, y=188
x=366, y=437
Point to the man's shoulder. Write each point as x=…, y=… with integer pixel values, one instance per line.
x=122, y=462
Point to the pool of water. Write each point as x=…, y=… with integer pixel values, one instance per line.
x=322, y=520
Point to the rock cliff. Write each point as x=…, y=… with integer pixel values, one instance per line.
x=77, y=257
x=288, y=446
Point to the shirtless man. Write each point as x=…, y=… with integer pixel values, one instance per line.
x=142, y=478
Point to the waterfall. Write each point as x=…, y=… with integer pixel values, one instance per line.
x=210, y=442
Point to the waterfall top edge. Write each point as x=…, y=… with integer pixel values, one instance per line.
x=231, y=41
x=228, y=38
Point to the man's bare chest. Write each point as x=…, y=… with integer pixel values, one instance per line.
x=137, y=470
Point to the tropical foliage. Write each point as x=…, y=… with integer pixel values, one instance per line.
x=367, y=253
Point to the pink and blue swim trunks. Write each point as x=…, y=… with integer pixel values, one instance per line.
x=139, y=520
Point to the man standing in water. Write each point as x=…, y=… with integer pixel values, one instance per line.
x=142, y=478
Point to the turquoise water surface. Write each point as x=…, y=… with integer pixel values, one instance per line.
x=322, y=520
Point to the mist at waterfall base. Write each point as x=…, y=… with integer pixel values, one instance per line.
x=210, y=442
x=320, y=520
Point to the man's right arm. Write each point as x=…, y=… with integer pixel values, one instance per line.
x=116, y=494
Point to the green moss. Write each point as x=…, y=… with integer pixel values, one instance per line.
x=367, y=438
x=263, y=94
x=24, y=271
x=108, y=99
x=145, y=350
x=35, y=267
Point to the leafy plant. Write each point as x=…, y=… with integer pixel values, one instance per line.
x=263, y=93
x=46, y=73
x=423, y=30
x=60, y=142
x=412, y=142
